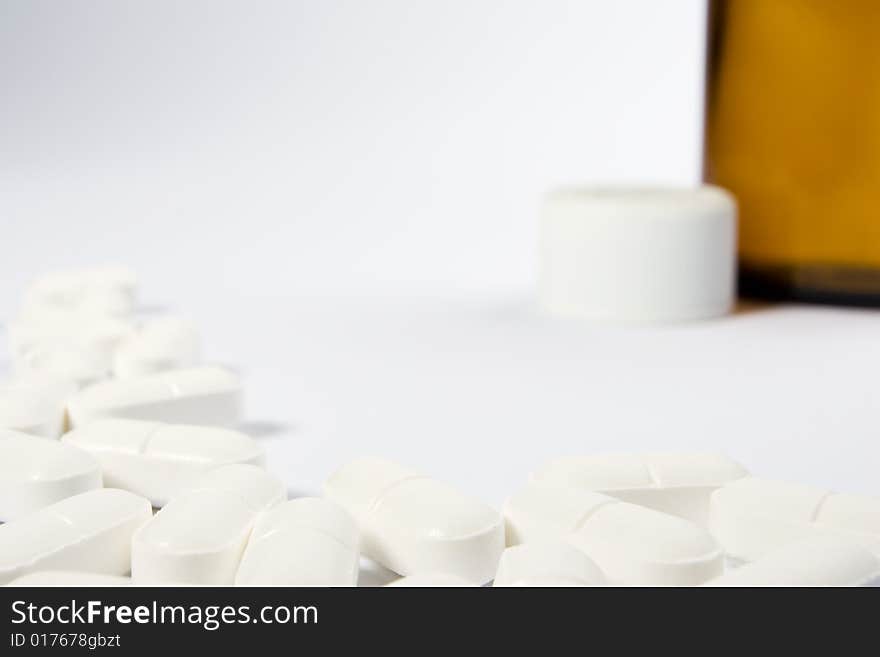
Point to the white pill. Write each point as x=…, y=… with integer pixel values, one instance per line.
x=630, y=544
x=430, y=580
x=156, y=460
x=69, y=578
x=81, y=366
x=205, y=395
x=35, y=472
x=752, y=516
x=303, y=542
x=200, y=535
x=547, y=563
x=816, y=561
x=680, y=484
x=97, y=335
x=35, y=406
x=413, y=524
x=90, y=532
x=161, y=344
x=105, y=289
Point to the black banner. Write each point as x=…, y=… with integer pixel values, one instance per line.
x=133, y=620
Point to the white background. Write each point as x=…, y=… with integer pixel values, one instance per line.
x=345, y=195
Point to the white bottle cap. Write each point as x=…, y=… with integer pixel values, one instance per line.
x=638, y=255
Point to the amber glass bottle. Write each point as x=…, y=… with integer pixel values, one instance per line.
x=793, y=130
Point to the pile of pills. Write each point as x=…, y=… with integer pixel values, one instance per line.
x=120, y=464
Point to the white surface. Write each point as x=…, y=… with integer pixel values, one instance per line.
x=156, y=460
x=817, y=561
x=89, y=532
x=222, y=147
x=479, y=390
x=200, y=535
x=625, y=254
x=751, y=517
x=200, y=395
x=630, y=544
x=676, y=483
x=547, y=564
x=35, y=473
x=304, y=542
x=414, y=524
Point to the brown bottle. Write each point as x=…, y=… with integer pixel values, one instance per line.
x=793, y=130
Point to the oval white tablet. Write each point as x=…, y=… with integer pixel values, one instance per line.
x=68, y=578
x=79, y=365
x=200, y=535
x=156, y=460
x=547, y=563
x=89, y=532
x=35, y=472
x=430, y=580
x=99, y=289
x=304, y=542
x=752, y=516
x=204, y=395
x=679, y=484
x=630, y=544
x=35, y=406
x=161, y=344
x=816, y=561
x=97, y=335
x=410, y=523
